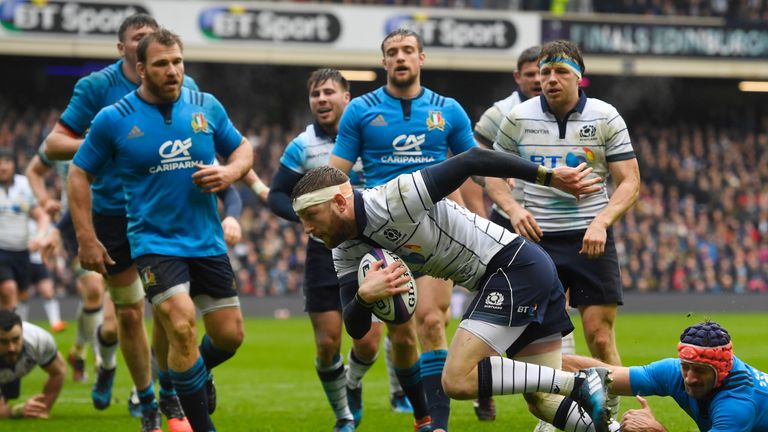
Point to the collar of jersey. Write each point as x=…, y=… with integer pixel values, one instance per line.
x=579, y=108
x=421, y=93
x=361, y=220
x=321, y=133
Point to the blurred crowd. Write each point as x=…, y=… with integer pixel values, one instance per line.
x=700, y=225
x=742, y=10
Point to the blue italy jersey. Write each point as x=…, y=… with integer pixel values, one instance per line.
x=92, y=93
x=739, y=404
x=155, y=155
x=395, y=136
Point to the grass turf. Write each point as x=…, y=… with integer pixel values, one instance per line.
x=271, y=384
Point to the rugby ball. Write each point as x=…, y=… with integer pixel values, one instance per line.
x=396, y=309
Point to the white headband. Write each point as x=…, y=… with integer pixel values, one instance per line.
x=321, y=195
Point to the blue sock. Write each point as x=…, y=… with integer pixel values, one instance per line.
x=213, y=356
x=190, y=386
x=166, y=384
x=410, y=381
x=147, y=398
x=432, y=364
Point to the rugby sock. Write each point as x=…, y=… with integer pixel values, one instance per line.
x=166, y=384
x=394, y=383
x=569, y=344
x=213, y=356
x=190, y=386
x=499, y=376
x=334, y=380
x=357, y=368
x=22, y=310
x=107, y=351
x=52, y=310
x=570, y=417
x=147, y=399
x=87, y=321
x=432, y=364
x=410, y=380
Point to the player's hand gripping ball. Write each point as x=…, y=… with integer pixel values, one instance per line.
x=396, y=309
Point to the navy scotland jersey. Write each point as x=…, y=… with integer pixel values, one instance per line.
x=155, y=155
x=394, y=136
x=92, y=93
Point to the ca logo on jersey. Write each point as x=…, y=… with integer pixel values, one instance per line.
x=435, y=120
x=174, y=155
x=407, y=150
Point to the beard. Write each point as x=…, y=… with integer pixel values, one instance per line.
x=159, y=90
x=403, y=82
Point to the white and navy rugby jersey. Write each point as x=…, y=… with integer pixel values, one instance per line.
x=593, y=132
x=16, y=201
x=487, y=127
x=442, y=239
x=39, y=349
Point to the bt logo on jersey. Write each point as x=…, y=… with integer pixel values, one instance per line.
x=174, y=155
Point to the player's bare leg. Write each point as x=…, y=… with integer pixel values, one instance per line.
x=405, y=357
x=177, y=314
x=90, y=286
x=599, y=330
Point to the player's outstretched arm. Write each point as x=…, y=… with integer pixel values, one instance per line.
x=61, y=143
x=35, y=172
x=447, y=176
x=341, y=164
x=620, y=374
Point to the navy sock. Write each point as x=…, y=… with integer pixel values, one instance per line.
x=190, y=386
x=213, y=356
x=410, y=381
x=166, y=383
x=147, y=398
x=432, y=364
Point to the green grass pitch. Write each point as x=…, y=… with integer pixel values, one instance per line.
x=271, y=384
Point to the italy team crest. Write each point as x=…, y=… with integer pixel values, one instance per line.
x=435, y=120
x=199, y=123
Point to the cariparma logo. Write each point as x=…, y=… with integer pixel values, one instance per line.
x=199, y=123
x=435, y=120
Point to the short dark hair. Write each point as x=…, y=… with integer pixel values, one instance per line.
x=402, y=33
x=322, y=75
x=8, y=320
x=318, y=178
x=527, y=56
x=162, y=36
x=7, y=152
x=138, y=21
x=563, y=47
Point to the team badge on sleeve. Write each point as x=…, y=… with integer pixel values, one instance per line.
x=435, y=120
x=199, y=123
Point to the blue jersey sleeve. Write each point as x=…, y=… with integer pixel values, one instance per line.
x=83, y=105
x=349, y=140
x=226, y=137
x=659, y=378
x=461, y=137
x=190, y=83
x=294, y=156
x=98, y=146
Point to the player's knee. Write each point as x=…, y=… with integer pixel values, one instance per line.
x=181, y=331
x=130, y=316
x=327, y=342
x=402, y=340
x=366, y=348
x=231, y=340
x=458, y=386
x=432, y=326
x=600, y=341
